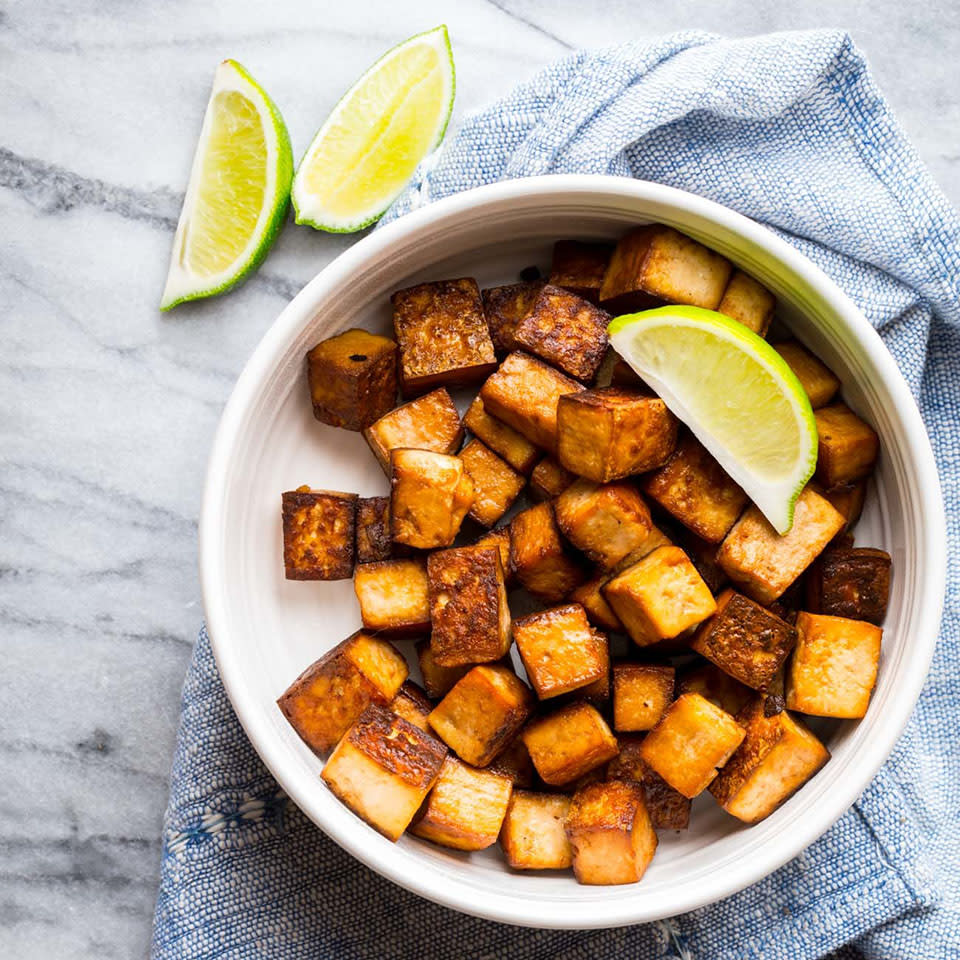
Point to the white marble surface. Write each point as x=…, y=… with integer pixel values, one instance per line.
x=108, y=407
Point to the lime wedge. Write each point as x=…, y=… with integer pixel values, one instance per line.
x=238, y=192
x=384, y=125
x=736, y=394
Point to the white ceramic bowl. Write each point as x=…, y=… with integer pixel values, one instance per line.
x=265, y=630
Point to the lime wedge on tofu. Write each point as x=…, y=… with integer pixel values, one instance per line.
x=735, y=393
x=384, y=125
x=238, y=193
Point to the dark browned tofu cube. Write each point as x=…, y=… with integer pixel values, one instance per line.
x=524, y=393
x=393, y=596
x=549, y=479
x=437, y=680
x=697, y=491
x=353, y=378
x=505, y=307
x=703, y=555
x=569, y=743
x=852, y=583
x=412, y=703
x=383, y=768
x=373, y=531
x=599, y=612
x=533, y=835
x=610, y=833
x=623, y=375
x=430, y=422
x=429, y=497
x=819, y=382
x=443, y=335
x=716, y=686
x=515, y=448
x=318, y=534
x=641, y=694
x=749, y=302
x=580, y=267
x=848, y=499
x=499, y=538
x=514, y=763
x=328, y=697
x=847, y=447
x=668, y=808
x=538, y=556
x=468, y=606
x=496, y=485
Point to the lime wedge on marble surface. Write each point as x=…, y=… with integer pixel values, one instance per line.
x=385, y=124
x=238, y=192
x=735, y=393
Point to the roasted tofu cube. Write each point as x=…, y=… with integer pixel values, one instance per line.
x=623, y=375
x=443, y=335
x=483, y=712
x=566, y=331
x=580, y=267
x=819, y=382
x=560, y=650
x=703, y=555
x=847, y=447
x=524, y=393
x=465, y=808
x=695, y=489
x=762, y=562
x=505, y=307
x=777, y=757
x=318, y=534
x=668, y=808
x=383, y=768
x=515, y=448
x=692, y=741
x=430, y=495
x=373, y=531
x=328, y=697
x=437, y=680
x=393, y=596
x=610, y=833
x=641, y=694
x=549, y=479
x=852, y=583
x=569, y=743
x=590, y=596
x=718, y=687
x=496, y=485
x=745, y=640
x=607, y=521
x=848, y=499
x=655, y=264
x=499, y=538
x=412, y=703
x=514, y=763
x=597, y=694
x=834, y=666
x=538, y=556
x=430, y=422
x=352, y=378
x=533, y=836
x=749, y=302
x=656, y=538
x=468, y=606
x=660, y=597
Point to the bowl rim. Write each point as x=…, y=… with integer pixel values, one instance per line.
x=439, y=886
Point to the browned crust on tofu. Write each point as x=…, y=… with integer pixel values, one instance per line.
x=668, y=808
x=499, y=538
x=852, y=583
x=749, y=302
x=641, y=694
x=437, y=680
x=514, y=762
x=515, y=448
x=430, y=494
x=819, y=382
x=580, y=267
x=505, y=307
x=847, y=447
x=318, y=534
x=718, y=687
x=373, y=531
x=496, y=484
x=538, y=556
x=549, y=479
x=848, y=499
x=412, y=703
x=590, y=596
x=569, y=743
x=377, y=586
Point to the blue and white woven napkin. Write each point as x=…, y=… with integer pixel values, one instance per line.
x=790, y=130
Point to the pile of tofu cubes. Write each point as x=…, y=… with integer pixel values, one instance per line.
x=622, y=533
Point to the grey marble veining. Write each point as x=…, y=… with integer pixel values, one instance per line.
x=107, y=407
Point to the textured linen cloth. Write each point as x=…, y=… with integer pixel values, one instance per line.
x=790, y=130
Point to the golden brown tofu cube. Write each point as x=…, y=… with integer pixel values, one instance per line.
x=852, y=583
x=353, y=378
x=611, y=433
x=703, y=555
x=393, y=596
x=668, y=808
x=847, y=447
x=328, y=697
x=514, y=763
x=437, y=680
x=515, y=448
x=697, y=491
x=549, y=479
x=383, y=768
x=465, y=808
x=762, y=562
x=716, y=686
x=777, y=757
x=641, y=694
x=848, y=499
x=373, y=531
x=569, y=743
x=538, y=556
x=819, y=382
x=505, y=307
x=660, y=597
x=524, y=393
x=559, y=649
x=496, y=485
x=610, y=833
x=590, y=596
x=565, y=330
x=443, y=335
x=657, y=263
x=607, y=522
x=430, y=422
x=598, y=693
x=499, y=538
x=430, y=495
x=749, y=302
x=483, y=712
x=412, y=703
x=468, y=606
x=692, y=741
x=580, y=267
x=533, y=836
x=318, y=534
x=834, y=666
x=745, y=640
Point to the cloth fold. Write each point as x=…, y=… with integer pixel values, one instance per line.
x=790, y=130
